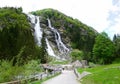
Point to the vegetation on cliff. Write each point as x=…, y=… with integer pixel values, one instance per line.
x=96, y=47
x=16, y=38
x=19, y=52
x=81, y=36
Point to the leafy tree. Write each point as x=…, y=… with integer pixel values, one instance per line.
x=76, y=55
x=103, y=49
x=40, y=51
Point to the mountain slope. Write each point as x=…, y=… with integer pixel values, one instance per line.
x=60, y=32
x=16, y=38
x=74, y=33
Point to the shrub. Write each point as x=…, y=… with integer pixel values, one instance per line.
x=76, y=55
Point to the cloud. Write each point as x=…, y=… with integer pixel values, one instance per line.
x=100, y=14
x=114, y=19
x=14, y=3
x=116, y=2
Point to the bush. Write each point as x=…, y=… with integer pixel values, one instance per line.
x=76, y=55
x=11, y=73
x=32, y=67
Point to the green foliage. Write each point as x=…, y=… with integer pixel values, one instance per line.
x=116, y=40
x=116, y=60
x=44, y=54
x=91, y=64
x=32, y=67
x=15, y=33
x=107, y=74
x=103, y=49
x=16, y=38
x=8, y=72
x=81, y=36
x=76, y=55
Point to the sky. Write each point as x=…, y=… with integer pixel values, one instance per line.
x=102, y=15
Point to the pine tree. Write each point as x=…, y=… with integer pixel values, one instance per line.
x=116, y=40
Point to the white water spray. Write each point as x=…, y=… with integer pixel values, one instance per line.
x=38, y=30
x=49, y=49
x=61, y=46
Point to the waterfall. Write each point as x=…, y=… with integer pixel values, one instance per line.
x=38, y=34
x=61, y=46
x=32, y=18
x=49, y=49
x=38, y=31
x=35, y=21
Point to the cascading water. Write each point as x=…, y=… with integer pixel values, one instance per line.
x=38, y=35
x=38, y=31
x=61, y=46
x=49, y=49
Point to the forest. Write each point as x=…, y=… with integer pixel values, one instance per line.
x=19, y=51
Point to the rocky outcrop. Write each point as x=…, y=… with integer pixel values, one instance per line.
x=74, y=34
x=56, y=45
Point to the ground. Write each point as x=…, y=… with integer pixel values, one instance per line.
x=67, y=77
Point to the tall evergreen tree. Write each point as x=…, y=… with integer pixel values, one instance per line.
x=116, y=40
x=43, y=50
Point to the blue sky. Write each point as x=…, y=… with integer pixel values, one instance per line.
x=102, y=15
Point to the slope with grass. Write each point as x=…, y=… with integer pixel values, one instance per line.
x=107, y=74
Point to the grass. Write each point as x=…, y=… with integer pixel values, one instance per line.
x=45, y=79
x=107, y=74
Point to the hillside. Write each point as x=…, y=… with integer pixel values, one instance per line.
x=16, y=38
x=19, y=40
x=28, y=41
x=75, y=34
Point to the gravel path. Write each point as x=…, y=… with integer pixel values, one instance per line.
x=67, y=77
